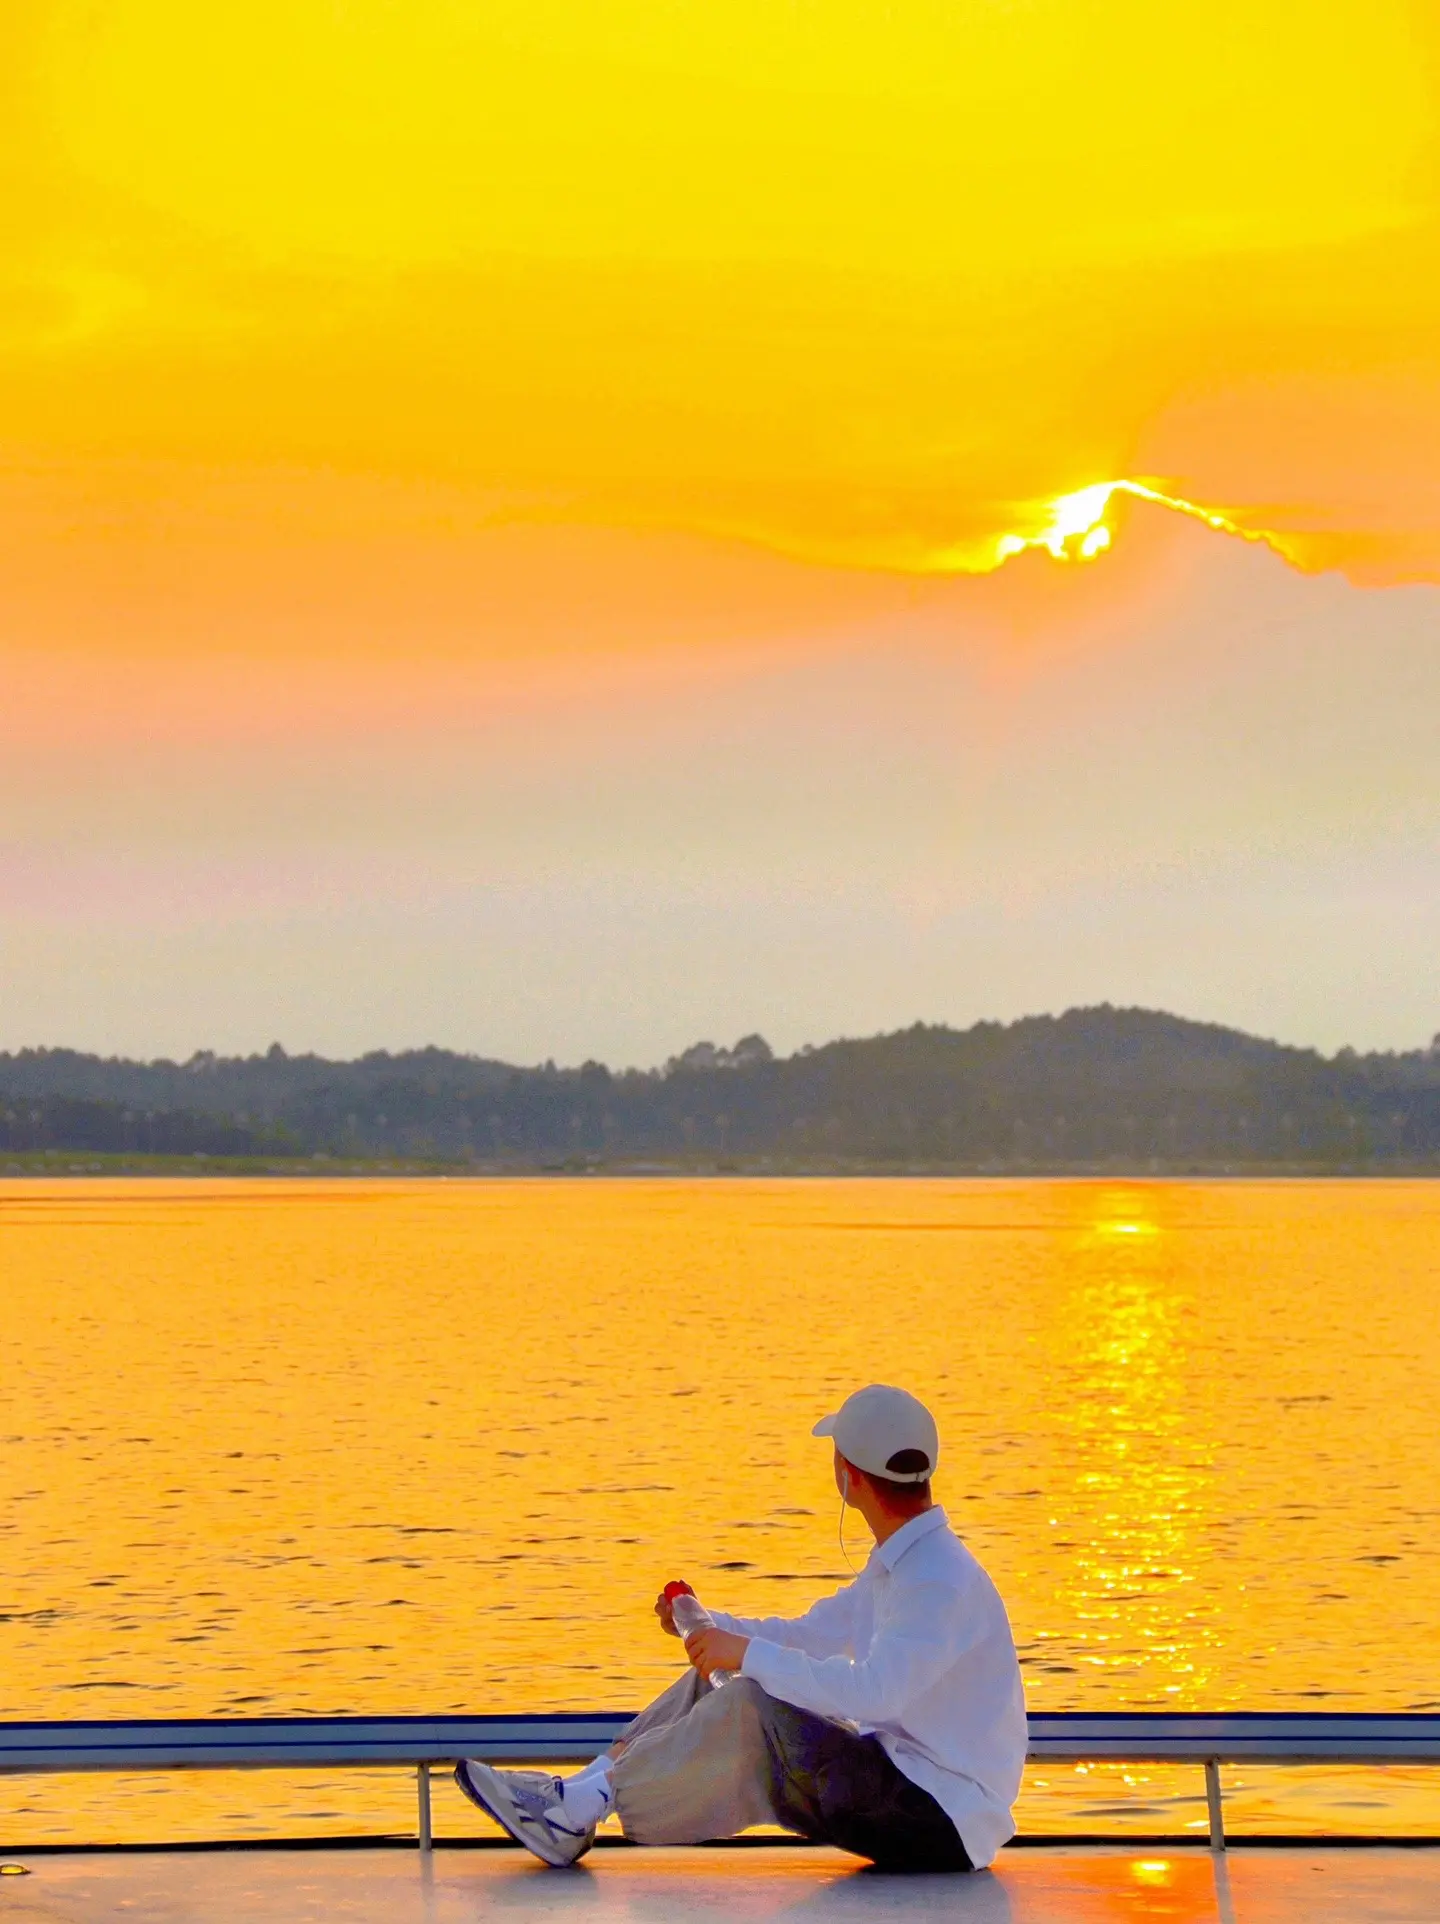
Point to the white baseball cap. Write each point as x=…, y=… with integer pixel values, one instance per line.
x=876, y=1425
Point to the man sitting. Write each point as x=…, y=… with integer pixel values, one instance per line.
x=888, y=1720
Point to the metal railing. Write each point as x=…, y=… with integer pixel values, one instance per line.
x=419, y=1743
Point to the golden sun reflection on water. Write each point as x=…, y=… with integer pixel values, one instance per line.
x=1139, y=1468
x=1141, y=1462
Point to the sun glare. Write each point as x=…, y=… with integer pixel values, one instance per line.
x=1125, y=1215
x=1096, y=541
x=1075, y=526
x=1151, y=1870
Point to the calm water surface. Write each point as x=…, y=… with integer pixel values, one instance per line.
x=272, y=1447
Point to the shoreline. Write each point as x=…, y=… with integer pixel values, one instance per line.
x=56, y=1164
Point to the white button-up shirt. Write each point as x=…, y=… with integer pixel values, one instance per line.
x=918, y=1651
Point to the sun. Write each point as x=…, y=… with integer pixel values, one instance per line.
x=1074, y=527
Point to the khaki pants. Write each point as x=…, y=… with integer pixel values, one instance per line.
x=695, y=1764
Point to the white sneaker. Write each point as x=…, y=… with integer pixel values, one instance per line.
x=528, y=1804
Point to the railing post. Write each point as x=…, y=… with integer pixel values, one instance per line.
x=1212, y=1800
x=422, y=1791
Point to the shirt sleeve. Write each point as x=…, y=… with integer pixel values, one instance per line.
x=924, y=1633
x=823, y=1631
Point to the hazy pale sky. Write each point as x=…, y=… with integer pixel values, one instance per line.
x=1205, y=783
x=562, y=531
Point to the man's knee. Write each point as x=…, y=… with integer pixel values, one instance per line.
x=739, y=1718
x=731, y=1720
x=741, y=1702
x=707, y=1775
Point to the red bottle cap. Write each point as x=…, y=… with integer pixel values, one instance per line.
x=677, y=1589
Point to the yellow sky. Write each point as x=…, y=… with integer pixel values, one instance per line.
x=860, y=283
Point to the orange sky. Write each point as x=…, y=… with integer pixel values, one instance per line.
x=372, y=372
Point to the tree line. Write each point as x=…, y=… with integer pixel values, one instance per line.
x=31, y=1123
x=1091, y=1087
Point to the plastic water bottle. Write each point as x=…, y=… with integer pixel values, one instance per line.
x=690, y=1614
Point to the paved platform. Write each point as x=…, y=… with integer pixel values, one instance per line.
x=1070, y=1885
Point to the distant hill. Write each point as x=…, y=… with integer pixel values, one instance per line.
x=1093, y=1088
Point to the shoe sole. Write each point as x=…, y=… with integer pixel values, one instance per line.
x=497, y=1806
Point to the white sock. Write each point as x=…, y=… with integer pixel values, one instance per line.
x=589, y=1796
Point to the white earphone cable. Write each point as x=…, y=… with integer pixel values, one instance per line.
x=844, y=1493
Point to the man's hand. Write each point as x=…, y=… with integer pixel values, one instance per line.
x=712, y=1650
x=665, y=1611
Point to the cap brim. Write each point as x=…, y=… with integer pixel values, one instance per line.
x=826, y=1426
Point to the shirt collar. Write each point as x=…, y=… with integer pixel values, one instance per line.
x=893, y=1548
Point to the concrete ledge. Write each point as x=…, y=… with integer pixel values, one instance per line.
x=1067, y=1884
